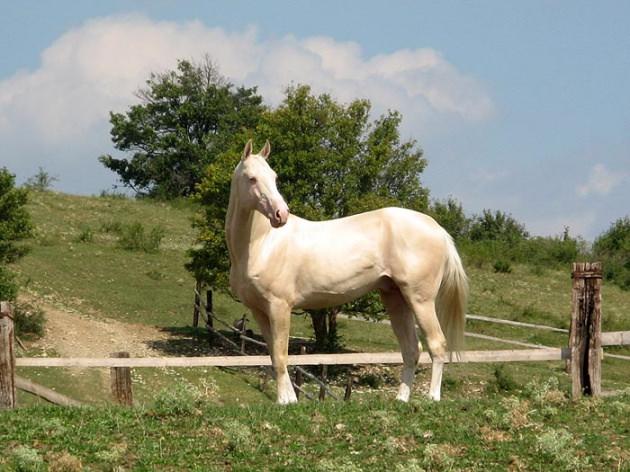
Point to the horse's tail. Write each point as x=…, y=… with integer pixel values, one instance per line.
x=451, y=299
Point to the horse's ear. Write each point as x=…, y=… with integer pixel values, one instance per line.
x=264, y=152
x=248, y=150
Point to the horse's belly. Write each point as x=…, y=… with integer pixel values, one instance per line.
x=330, y=289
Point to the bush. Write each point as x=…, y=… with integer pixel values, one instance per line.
x=502, y=267
x=613, y=249
x=86, y=235
x=29, y=320
x=8, y=287
x=40, y=181
x=134, y=238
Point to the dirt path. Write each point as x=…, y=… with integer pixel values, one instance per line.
x=70, y=334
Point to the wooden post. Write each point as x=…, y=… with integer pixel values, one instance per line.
x=243, y=328
x=322, y=389
x=585, y=332
x=209, y=309
x=121, y=381
x=7, y=357
x=299, y=378
x=349, y=382
x=195, y=322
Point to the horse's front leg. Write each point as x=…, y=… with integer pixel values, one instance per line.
x=280, y=322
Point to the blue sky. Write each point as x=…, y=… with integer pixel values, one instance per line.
x=519, y=106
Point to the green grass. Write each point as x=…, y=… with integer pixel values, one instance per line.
x=534, y=430
x=77, y=262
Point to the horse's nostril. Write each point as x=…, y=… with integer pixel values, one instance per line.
x=278, y=216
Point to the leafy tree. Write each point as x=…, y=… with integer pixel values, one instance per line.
x=497, y=226
x=450, y=215
x=185, y=119
x=613, y=248
x=15, y=225
x=331, y=161
x=40, y=181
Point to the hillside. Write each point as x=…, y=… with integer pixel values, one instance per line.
x=115, y=299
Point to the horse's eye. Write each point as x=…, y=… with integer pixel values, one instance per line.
x=252, y=180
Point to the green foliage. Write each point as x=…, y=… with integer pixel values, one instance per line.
x=134, y=237
x=502, y=266
x=15, y=222
x=86, y=235
x=613, y=248
x=27, y=459
x=29, y=320
x=187, y=118
x=503, y=380
x=15, y=225
x=497, y=226
x=40, y=181
x=450, y=215
x=181, y=399
x=8, y=285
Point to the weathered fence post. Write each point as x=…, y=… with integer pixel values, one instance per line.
x=586, y=325
x=7, y=357
x=299, y=378
x=349, y=383
x=121, y=381
x=209, y=309
x=243, y=330
x=322, y=388
x=195, y=322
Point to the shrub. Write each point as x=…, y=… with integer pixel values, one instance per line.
x=613, y=249
x=29, y=320
x=40, y=181
x=134, y=238
x=8, y=286
x=502, y=266
x=182, y=399
x=27, y=459
x=86, y=235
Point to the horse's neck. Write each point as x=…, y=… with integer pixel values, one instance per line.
x=244, y=229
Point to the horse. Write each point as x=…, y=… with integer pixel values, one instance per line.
x=280, y=262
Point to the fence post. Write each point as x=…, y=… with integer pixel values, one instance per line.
x=195, y=322
x=121, y=381
x=299, y=378
x=322, y=388
x=585, y=332
x=7, y=357
x=209, y=309
x=243, y=330
x=349, y=383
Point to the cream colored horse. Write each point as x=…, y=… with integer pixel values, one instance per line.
x=280, y=262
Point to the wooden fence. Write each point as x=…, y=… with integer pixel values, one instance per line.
x=584, y=352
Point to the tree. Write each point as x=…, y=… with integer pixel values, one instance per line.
x=185, y=119
x=450, y=215
x=15, y=225
x=331, y=161
x=613, y=248
x=497, y=226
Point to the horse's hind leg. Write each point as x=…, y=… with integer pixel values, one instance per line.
x=404, y=327
x=436, y=342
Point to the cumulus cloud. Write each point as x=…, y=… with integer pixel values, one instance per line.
x=59, y=112
x=601, y=181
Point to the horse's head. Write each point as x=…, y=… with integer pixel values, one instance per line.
x=256, y=185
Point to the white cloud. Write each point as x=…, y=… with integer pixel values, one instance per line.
x=601, y=181
x=55, y=115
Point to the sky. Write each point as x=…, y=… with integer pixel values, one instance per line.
x=522, y=107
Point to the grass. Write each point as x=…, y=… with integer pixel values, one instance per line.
x=532, y=430
x=77, y=262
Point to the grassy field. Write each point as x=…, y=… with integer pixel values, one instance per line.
x=538, y=430
x=76, y=263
